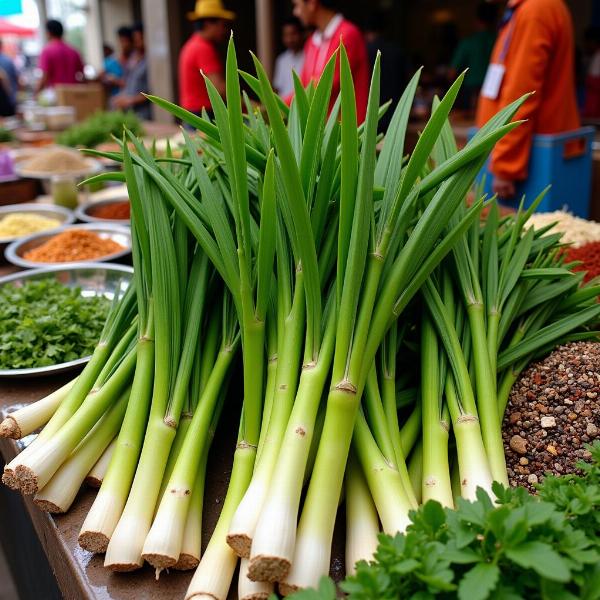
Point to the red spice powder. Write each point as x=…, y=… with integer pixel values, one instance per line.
x=112, y=211
x=589, y=255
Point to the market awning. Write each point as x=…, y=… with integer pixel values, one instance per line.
x=8, y=28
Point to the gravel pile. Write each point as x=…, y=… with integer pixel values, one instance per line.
x=553, y=411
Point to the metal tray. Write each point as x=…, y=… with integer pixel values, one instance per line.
x=44, y=210
x=94, y=280
x=121, y=234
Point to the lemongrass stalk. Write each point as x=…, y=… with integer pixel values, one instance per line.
x=275, y=533
x=362, y=523
x=252, y=590
x=98, y=472
x=487, y=404
x=436, y=472
x=58, y=494
x=473, y=465
x=455, y=479
x=105, y=512
x=415, y=470
x=36, y=469
x=243, y=524
x=213, y=576
x=27, y=419
x=189, y=556
x=272, y=362
x=411, y=430
x=388, y=489
x=163, y=543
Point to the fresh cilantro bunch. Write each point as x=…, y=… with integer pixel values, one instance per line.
x=44, y=323
x=521, y=547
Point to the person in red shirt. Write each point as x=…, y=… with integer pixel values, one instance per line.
x=331, y=28
x=199, y=55
x=59, y=62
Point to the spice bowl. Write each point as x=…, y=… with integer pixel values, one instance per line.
x=49, y=211
x=86, y=212
x=121, y=234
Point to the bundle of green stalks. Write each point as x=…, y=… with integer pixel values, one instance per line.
x=380, y=323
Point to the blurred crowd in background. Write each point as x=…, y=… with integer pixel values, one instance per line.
x=514, y=47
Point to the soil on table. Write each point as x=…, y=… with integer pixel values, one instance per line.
x=552, y=413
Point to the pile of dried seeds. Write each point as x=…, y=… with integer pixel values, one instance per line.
x=553, y=411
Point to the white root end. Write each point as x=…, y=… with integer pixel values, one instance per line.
x=240, y=543
x=268, y=568
x=27, y=480
x=186, y=562
x=252, y=590
x=93, y=541
x=9, y=428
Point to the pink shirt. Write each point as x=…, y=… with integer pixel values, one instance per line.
x=61, y=63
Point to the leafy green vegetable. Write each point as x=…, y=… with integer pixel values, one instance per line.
x=99, y=128
x=6, y=135
x=44, y=323
x=521, y=547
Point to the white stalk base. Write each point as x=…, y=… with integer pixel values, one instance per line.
x=101, y=521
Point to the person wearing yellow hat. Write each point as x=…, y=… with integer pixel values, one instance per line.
x=199, y=55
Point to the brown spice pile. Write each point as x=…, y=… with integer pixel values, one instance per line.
x=56, y=161
x=553, y=411
x=114, y=210
x=73, y=245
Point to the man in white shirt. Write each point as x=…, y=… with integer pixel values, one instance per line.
x=292, y=59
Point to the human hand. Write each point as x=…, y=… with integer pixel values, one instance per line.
x=121, y=101
x=504, y=188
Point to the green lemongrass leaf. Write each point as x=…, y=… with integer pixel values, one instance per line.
x=489, y=264
x=589, y=292
x=332, y=120
x=514, y=267
x=445, y=145
x=360, y=219
x=544, y=292
x=266, y=243
x=389, y=163
x=116, y=156
x=238, y=158
x=180, y=240
x=323, y=195
x=300, y=101
x=103, y=177
x=349, y=168
x=536, y=202
x=546, y=273
x=294, y=128
x=254, y=85
x=436, y=256
x=470, y=152
x=422, y=151
x=313, y=132
x=297, y=204
x=217, y=218
x=547, y=335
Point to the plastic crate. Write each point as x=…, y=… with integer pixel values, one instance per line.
x=563, y=160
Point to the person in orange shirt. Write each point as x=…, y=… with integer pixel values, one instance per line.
x=534, y=52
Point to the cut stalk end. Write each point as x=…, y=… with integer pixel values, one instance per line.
x=240, y=543
x=9, y=479
x=287, y=589
x=9, y=428
x=186, y=562
x=268, y=568
x=159, y=561
x=49, y=506
x=27, y=480
x=93, y=541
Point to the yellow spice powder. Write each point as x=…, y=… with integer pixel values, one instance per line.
x=19, y=224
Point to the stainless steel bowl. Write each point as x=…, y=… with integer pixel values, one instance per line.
x=83, y=212
x=64, y=215
x=121, y=234
x=93, y=279
x=92, y=167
